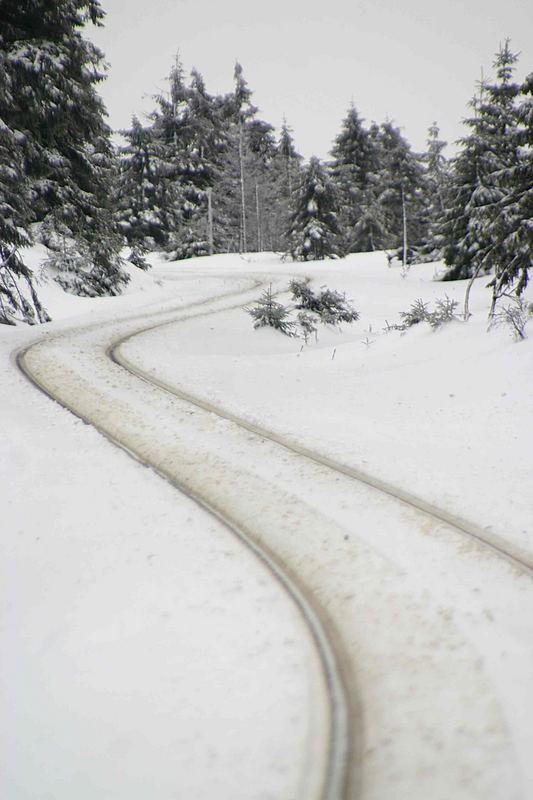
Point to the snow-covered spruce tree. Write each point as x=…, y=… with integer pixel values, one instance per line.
x=250, y=198
x=509, y=227
x=314, y=232
x=18, y=299
x=168, y=167
x=512, y=229
x=478, y=189
x=435, y=188
x=135, y=189
x=285, y=181
x=50, y=104
x=353, y=169
x=281, y=184
x=238, y=195
x=177, y=198
x=269, y=313
x=242, y=111
x=401, y=196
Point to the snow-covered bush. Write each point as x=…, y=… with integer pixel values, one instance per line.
x=419, y=312
x=268, y=312
x=331, y=306
x=328, y=307
x=515, y=316
x=77, y=272
x=444, y=312
x=307, y=324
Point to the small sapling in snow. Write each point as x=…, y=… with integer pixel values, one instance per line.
x=515, y=316
x=419, y=312
x=269, y=313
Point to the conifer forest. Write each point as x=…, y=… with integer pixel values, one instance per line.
x=205, y=174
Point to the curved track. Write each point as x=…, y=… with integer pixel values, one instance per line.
x=342, y=761
x=519, y=558
x=334, y=780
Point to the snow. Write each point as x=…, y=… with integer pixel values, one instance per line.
x=427, y=397
x=150, y=653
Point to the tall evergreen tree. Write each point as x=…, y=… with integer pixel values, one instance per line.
x=478, y=189
x=281, y=188
x=50, y=104
x=511, y=229
x=401, y=193
x=435, y=188
x=242, y=218
x=314, y=231
x=136, y=189
x=353, y=169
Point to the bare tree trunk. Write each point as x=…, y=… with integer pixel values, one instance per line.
x=244, y=246
x=210, y=221
x=466, y=310
x=258, y=213
x=404, y=233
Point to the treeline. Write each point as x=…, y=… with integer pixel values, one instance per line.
x=205, y=174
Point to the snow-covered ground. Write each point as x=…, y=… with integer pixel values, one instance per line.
x=445, y=414
x=149, y=653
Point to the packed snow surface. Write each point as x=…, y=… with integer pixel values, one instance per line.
x=148, y=653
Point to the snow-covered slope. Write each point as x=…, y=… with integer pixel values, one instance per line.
x=444, y=414
x=148, y=653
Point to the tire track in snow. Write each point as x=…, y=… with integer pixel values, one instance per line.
x=320, y=462
x=333, y=781
x=518, y=557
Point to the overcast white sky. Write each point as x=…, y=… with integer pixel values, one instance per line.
x=412, y=61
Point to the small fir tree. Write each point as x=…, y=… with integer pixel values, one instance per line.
x=269, y=313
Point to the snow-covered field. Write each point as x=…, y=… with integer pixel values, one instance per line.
x=148, y=653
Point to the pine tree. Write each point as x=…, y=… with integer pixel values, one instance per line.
x=435, y=188
x=401, y=193
x=353, y=169
x=134, y=194
x=478, y=189
x=281, y=187
x=242, y=218
x=511, y=229
x=314, y=232
x=50, y=105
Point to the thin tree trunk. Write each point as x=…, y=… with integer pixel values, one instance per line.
x=210, y=221
x=243, y=205
x=466, y=310
x=404, y=236
x=258, y=213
